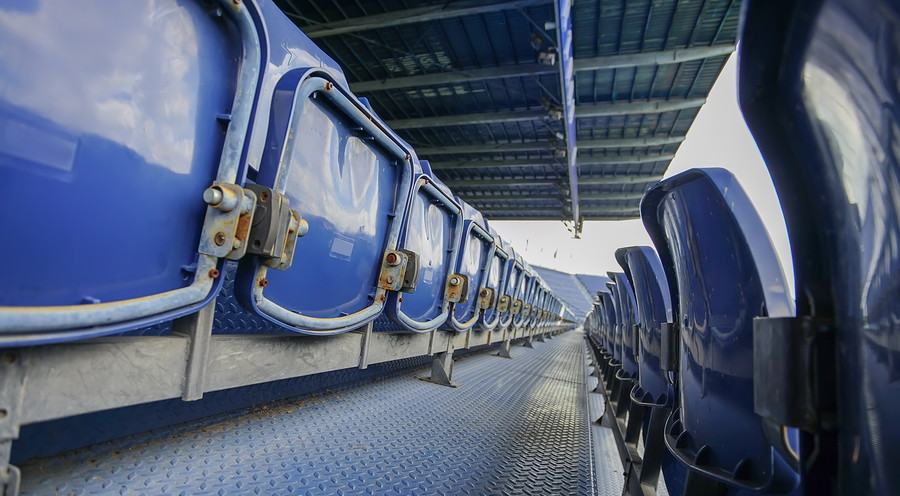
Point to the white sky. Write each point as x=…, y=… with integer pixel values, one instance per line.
x=718, y=138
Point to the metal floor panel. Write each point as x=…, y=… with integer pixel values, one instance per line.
x=512, y=427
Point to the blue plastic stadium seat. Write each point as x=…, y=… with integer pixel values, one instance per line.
x=352, y=186
x=609, y=322
x=514, y=283
x=654, y=307
x=818, y=83
x=726, y=273
x=495, y=282
x=524, y=296
x=432, y=231
x=474, y=260
x=627, y=319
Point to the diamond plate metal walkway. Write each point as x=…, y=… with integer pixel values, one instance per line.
x=512, y=427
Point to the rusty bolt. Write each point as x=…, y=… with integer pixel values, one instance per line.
x=264, y=196
x=401, y=299
x=302, y=228
x=213, y=196
x=219, y=238
x=389, y=279
x=213, y=273
x=452, y=296
x=484, y=292
x=329, y=86
x=382, y=298
x=263, y=282
x=237, y=244
x=392, y=259
x=408, y=157
x=454, y=281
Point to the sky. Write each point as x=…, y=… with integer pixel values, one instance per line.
x=718, y=138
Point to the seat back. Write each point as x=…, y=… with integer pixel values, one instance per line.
x=614, y=318
x=432, y=231
x=476, y=252
x=818, y=84
x=627, y=319
x=654, y=308
x=352, y=188
x=112, y=218
x=495, y=281
x=716, y=249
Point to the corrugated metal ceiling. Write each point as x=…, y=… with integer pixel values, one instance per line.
x=462, y=82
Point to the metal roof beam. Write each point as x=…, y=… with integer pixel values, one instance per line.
x=544, y=216
x=637, y=158
x=412, y=16
x=538, y=146
x=662, y=57
x=629, y=142
x=589, y=196
x=581, y=111
x=467, y=119
x=454, y=77
x=612, y=179
x=563, y=13
x=638, y=107
x=564, y=212
x=606, y=62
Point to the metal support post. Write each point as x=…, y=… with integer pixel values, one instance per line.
x=12, y=391
x=505, y=345
x=197, y=327
x=366, y=332
x=442, y=367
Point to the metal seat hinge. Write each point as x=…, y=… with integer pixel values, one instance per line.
x=486, y=298
x=275, y=228
x=503, y=304
x=393, y=270
x=228, y=219
x=517, y=307
x=457, y=288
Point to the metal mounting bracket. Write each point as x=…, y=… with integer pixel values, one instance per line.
x=393, y=270
x=486, y=298
x=794, y=374
x=229, y=216
x=275, y=228
x=503, y=304
x=457, y=288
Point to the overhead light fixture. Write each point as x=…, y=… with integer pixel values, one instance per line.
x=548, y=56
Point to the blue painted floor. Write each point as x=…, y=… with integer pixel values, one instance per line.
x=512, y=427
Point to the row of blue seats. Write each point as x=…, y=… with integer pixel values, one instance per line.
x=718, y=269
x=701, y=347
x=254, y=165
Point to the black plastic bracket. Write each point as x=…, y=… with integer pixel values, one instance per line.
x=794, y=373
x=411, y=274
x=668, y=355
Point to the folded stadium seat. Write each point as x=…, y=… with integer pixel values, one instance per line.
x=495, y=282
x=654, y=307
x=352, y=187
x=508, y=301
x=628, y=319
x=653, y=390
x=715, y=249
x=431, y=234
x=474, y=257
x=155, y=224
x=818, y=86
x=522, y=306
